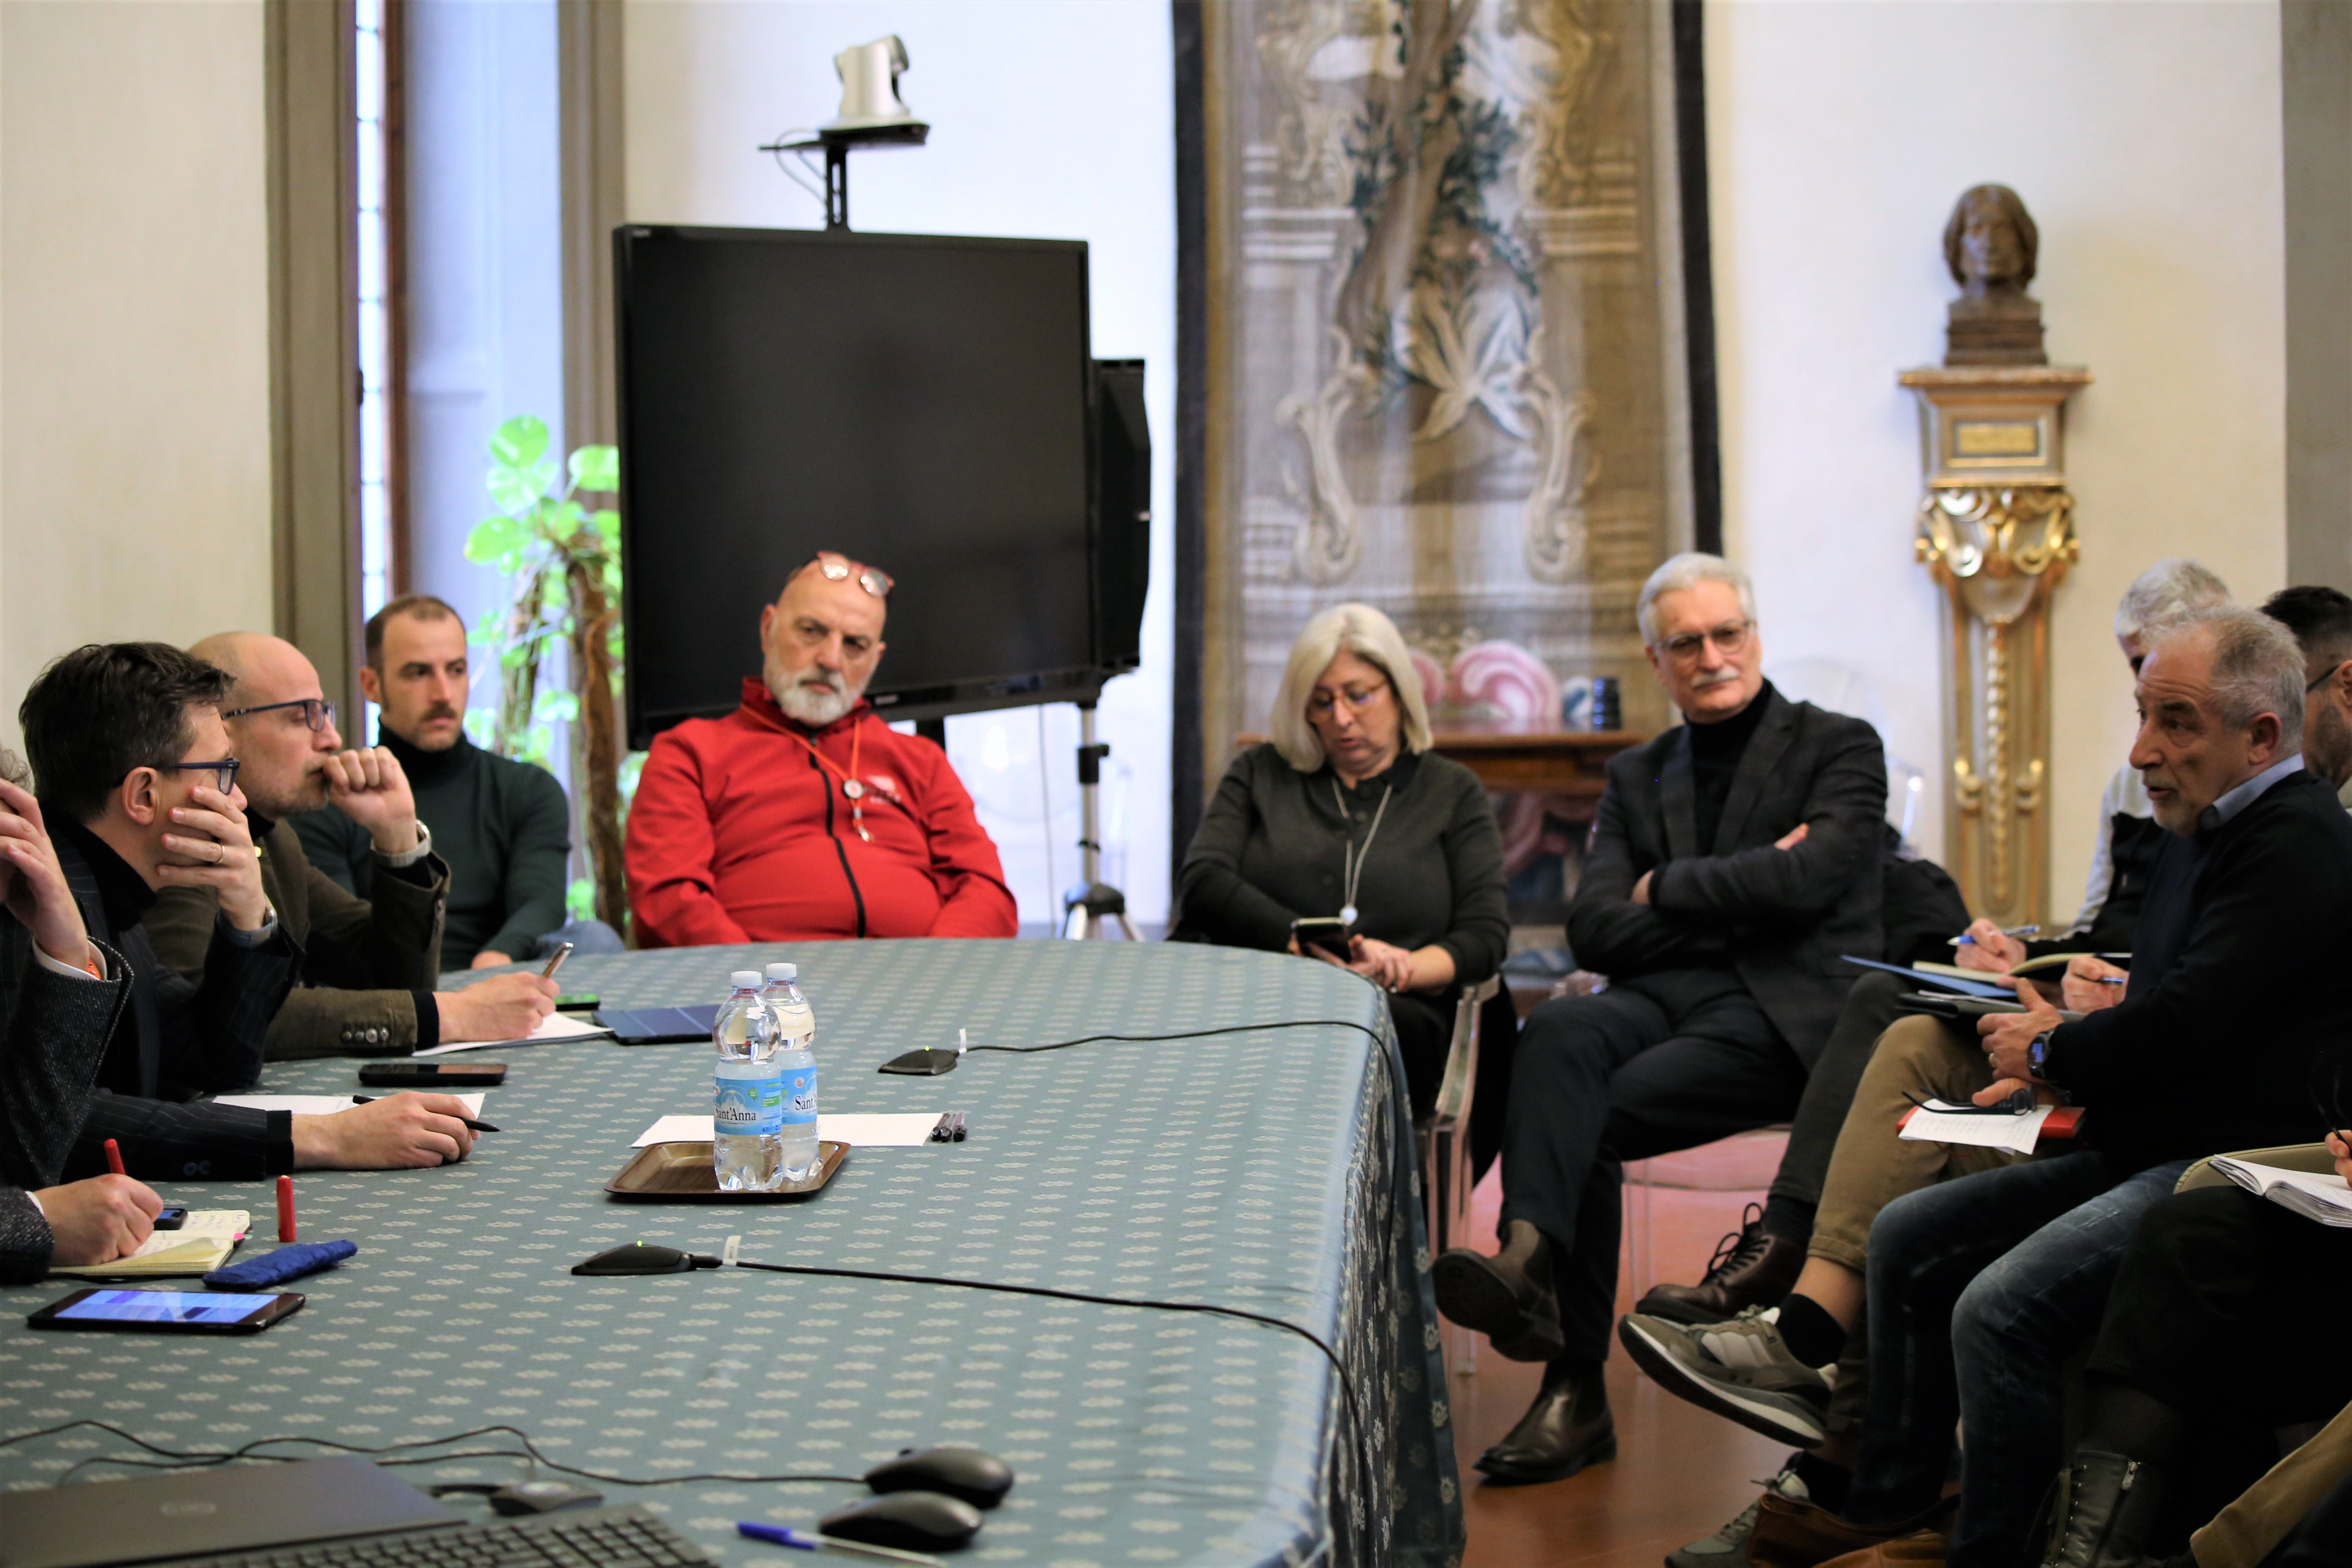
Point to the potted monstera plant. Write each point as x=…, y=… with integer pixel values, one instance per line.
x=563, y=560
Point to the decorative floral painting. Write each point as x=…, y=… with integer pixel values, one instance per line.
x=1446, y=365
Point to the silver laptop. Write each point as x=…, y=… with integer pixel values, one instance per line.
x=195, y=1513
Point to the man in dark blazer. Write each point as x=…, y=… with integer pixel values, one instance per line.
x=1736, y=859
x=366, y=986
x=138, y=791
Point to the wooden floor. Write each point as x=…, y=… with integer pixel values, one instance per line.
x=1680, y=1472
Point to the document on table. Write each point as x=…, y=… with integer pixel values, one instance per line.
x=555, y=1026
x=1940, y=1121
x=200, y=1245
x=328, y=1104
x=2311, y=1193
x=887, y=1129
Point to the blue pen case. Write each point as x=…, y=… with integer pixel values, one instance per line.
x=289, y=1262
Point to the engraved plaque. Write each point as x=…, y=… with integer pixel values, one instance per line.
x=1997, y=438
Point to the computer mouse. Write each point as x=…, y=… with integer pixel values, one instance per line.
x=639, y=1258
x=542, y=1497
x=976, y=1476
x=911, y=1522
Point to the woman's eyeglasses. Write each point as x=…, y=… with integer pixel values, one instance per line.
x=317, y=714
x=1320, y=704
x=224, y=770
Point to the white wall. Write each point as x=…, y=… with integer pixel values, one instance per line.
x=2145, y=139
x=134, y=333
x=1051, y=118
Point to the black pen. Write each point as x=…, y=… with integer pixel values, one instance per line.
x=477, y=1126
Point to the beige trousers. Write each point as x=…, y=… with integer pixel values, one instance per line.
x=2250, y=1528
x=1932, y=1059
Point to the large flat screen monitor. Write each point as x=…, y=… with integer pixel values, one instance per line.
x=918, y=403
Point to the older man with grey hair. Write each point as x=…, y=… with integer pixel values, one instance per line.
x=1736, y=859
x=1982, y=1287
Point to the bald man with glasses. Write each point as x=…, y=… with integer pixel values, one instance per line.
x=802, y=815
x=369, y=966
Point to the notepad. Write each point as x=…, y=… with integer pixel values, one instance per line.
x=1966, y=983
x=554, y=1027
x=1940, y=1121
x=885, y=1130
x=200, y=1245
x=329, y=1104
x=2313, y=1194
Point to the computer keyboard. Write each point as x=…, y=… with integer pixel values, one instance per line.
x=625, y=1537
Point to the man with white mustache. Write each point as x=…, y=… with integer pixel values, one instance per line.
x=802, y=815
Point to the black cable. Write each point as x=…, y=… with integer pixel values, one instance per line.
x=190, y=1458
x=1347, y=1383
x=1365, y=1029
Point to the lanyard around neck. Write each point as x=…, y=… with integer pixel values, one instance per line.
x=1352, y=858
x=850, y=783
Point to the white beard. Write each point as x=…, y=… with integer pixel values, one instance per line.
x=812, y=705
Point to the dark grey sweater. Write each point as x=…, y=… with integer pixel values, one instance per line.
x=1272, y=845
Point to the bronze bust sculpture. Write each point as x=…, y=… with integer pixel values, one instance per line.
x=1990, y=245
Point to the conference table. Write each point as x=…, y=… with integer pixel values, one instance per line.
x=1268, y=1169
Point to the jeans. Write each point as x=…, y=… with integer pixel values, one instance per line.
x=1651, y=1065
x=585, y=937
x=1980, y=1289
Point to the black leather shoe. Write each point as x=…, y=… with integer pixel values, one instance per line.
x=1509, y=1298
x=1751, y=1269
x=1567, y=1428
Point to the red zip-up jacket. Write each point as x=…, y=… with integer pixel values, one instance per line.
x=737, y=834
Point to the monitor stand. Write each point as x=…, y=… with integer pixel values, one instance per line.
x=1089, y=907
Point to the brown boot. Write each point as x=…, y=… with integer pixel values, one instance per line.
x=1568, y=1427
x=1790, y=1533
x=1752, y=1268
x=1924, y=1549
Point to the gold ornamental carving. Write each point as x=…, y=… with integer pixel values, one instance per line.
x=1996, y=528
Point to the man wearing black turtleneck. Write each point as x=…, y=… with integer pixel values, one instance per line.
x=1734, y=860
x=369, y=966
x=504, y=826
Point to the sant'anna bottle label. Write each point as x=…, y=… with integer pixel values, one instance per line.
x=749, y=1107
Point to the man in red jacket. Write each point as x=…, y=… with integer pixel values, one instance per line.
x=801, y=815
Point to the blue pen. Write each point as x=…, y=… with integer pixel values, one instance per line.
x=1964, y=940
x=801, y=1541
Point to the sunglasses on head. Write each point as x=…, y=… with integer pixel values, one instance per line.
x=837, y=568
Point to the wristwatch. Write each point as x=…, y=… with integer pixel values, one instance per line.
x=2038, y=1053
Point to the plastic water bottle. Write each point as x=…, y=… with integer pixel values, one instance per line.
x=796, y=1059
x=747, y=1125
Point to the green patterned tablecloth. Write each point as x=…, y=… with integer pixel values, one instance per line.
x=1266, y=1171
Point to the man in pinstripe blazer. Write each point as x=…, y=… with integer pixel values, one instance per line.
x=139, y=792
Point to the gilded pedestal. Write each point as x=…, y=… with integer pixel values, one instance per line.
x=1996, y=528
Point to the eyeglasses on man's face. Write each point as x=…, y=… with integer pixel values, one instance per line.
x=1728, y=639
x=224, y=771
x=317, y=713
x=2322, y=678
x=837, y=568
x=1321, y=704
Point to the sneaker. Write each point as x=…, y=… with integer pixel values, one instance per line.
x=1740, y=1370
x=1751, y=1269
x=1728, y=1547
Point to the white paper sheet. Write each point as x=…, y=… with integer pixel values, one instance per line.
x=2322, y=1196
x=886, y=1129
x=553, y=1028
x=1933, y=1125
x=329, y=1104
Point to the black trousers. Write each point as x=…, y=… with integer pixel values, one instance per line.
x=1662, y=1062
x=2224, y=1310
x=1424, y=1027
x=1829, y=1092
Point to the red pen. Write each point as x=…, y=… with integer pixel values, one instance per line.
x=284, y=1208
x=114, y=1158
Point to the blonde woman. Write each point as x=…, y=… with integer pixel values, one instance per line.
x=1346, y=812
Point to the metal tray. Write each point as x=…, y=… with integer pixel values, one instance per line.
x=682, y=1174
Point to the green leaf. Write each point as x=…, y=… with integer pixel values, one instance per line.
x=494, y=542
x=518, y=442
x=596, y=468
x=608, y=523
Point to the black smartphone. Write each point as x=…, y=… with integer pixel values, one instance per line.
x=166, y=1311
x=1329, y=932
x=433, y=1075
x=170, y=1219
x=578, y=1002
